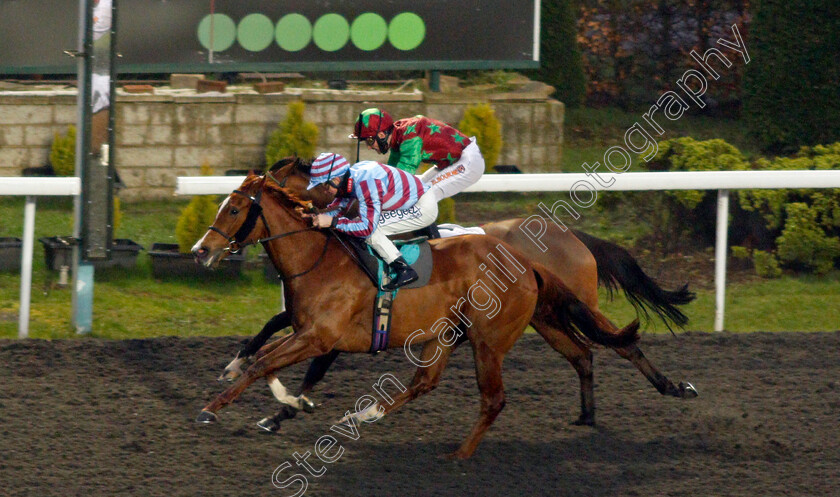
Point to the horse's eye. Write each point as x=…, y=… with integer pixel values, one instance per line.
x=234, y=211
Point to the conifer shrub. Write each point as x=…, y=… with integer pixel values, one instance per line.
x=195, y=217
x=63, y=161
x=480, y=121
x=294, y=136
x=446, y=211
x=118, y=215
x=63, y=153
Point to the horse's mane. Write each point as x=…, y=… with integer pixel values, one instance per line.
x=283, y=195
x=301, y=165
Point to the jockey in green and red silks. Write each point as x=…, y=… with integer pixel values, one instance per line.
x=456, y=158
x=422, y=139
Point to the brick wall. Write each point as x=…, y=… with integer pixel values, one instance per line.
x=172, y=133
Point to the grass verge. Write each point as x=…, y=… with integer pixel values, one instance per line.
x=790, y=303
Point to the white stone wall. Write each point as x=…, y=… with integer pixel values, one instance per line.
x=161, y=136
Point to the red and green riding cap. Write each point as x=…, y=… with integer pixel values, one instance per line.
x=370, y=122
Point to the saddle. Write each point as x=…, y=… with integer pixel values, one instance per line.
x=415, y=250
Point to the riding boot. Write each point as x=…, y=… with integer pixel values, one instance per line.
x=405, y=274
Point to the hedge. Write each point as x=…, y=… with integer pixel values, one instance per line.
x=792, y=84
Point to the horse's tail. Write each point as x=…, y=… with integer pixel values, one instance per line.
x=618, y=269
x=558, y=307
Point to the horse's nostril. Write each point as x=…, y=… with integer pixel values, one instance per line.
x=200, y=252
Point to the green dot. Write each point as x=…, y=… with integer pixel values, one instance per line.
x=407, y=31
x=224, y=32
x=293, y=33
x=331, y=32
x=255, y=33
x=369, y=31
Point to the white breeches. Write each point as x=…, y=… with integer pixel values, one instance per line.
x=458, y=176
x=420, y=215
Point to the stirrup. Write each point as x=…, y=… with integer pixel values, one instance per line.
x=410, y=277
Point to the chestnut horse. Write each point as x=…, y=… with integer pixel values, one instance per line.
x=580, y=260
x=330, y=301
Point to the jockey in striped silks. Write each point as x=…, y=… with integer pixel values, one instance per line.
x=391, y=201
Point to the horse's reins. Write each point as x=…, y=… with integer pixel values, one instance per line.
x=235, y=242
x=255, y=211
x=352, y=255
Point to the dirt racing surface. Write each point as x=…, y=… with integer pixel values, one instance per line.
x=89, y=417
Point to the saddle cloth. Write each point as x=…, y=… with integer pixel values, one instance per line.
x=448, y=229
x=416, y=252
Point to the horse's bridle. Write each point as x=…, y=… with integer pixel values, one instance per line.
x=255, y=211
x=235, y=244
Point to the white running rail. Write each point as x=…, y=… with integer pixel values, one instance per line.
x=32, y=188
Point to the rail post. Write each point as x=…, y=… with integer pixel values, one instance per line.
x=720, y=256
x=26, y=266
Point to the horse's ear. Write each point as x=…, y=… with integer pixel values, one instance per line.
x=304, y=166
x=280, y=163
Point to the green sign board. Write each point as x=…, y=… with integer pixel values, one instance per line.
x=298, y=35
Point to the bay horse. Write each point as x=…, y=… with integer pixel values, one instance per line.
x=330, y=301
x=580, y=260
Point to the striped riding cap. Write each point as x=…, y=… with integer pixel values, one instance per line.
x=325, y=167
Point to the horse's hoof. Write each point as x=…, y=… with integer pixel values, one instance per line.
x=583, y=421
x=269, y=425
x=228, y=376
x=206, y=417
x=687, y=390
x=306, y=404
x=232, y=371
